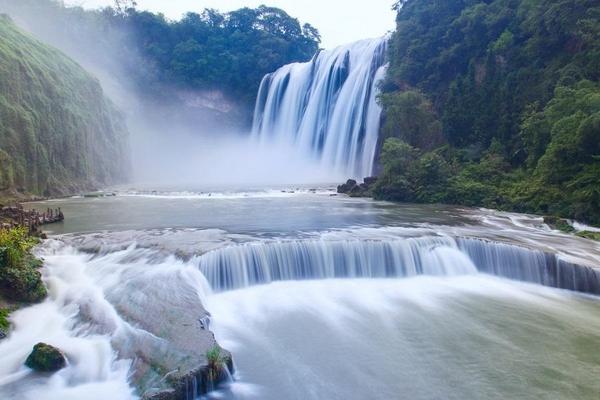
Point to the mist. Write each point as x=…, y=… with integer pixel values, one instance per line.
x=178, y=136
x=182, y=136
x=194, y=158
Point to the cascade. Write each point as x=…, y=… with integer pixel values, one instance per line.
x=257, y=263
x=327, y=108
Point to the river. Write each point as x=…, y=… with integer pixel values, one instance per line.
x=316, y=295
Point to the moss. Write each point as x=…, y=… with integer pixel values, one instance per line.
x=4, y=323
x=589, y=235
x=45, y=358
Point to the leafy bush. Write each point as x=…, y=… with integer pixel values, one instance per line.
x=22, y=284
x=15, y=244
x=20, y=279
x=4, y=323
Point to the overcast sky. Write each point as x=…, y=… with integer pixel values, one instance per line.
x=339, y=21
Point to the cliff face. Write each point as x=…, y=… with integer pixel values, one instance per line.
x=58, y=132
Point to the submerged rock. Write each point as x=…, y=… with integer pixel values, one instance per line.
x=46, y=358
x=559, y=224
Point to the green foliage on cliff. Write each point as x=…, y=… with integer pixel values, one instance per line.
x=208, y=50
x=58, y=132
x=512, y=85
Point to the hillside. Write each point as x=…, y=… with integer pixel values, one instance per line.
x=496, y=104
x=58, y=133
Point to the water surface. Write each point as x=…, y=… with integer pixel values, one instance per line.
x=133, y=273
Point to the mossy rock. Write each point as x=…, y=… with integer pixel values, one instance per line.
x=589, y=235
x=22, y=283
x=46, y=358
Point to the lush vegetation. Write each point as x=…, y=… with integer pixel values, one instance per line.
x=58, y=132
x=495, y=103
x=209, y=50
x=15, y=244
x=20, y=278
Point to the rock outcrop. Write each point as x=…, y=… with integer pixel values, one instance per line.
x=355, y=189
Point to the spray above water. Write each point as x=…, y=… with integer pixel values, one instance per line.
x=327, y=107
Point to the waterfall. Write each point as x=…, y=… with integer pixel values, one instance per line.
x=327, y=107
x=257, y=263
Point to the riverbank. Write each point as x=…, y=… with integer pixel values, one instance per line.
x=20, y=277
x=371, y=187
x=31, y=219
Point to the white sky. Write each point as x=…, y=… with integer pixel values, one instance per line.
x=339, y=21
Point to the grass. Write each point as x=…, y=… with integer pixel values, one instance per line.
x=589, y=235
x=216, y=362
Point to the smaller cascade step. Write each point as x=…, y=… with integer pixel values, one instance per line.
x=258, y=263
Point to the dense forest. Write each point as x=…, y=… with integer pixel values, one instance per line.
x=494, y=103
x=208, y=50
x=58, y=132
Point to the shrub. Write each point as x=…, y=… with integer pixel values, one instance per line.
x=4, y=323
x=216, y=362
x=20, y=279
x=15, y=243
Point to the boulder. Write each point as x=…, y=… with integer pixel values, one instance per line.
x=347, y=187
x=46, y=358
